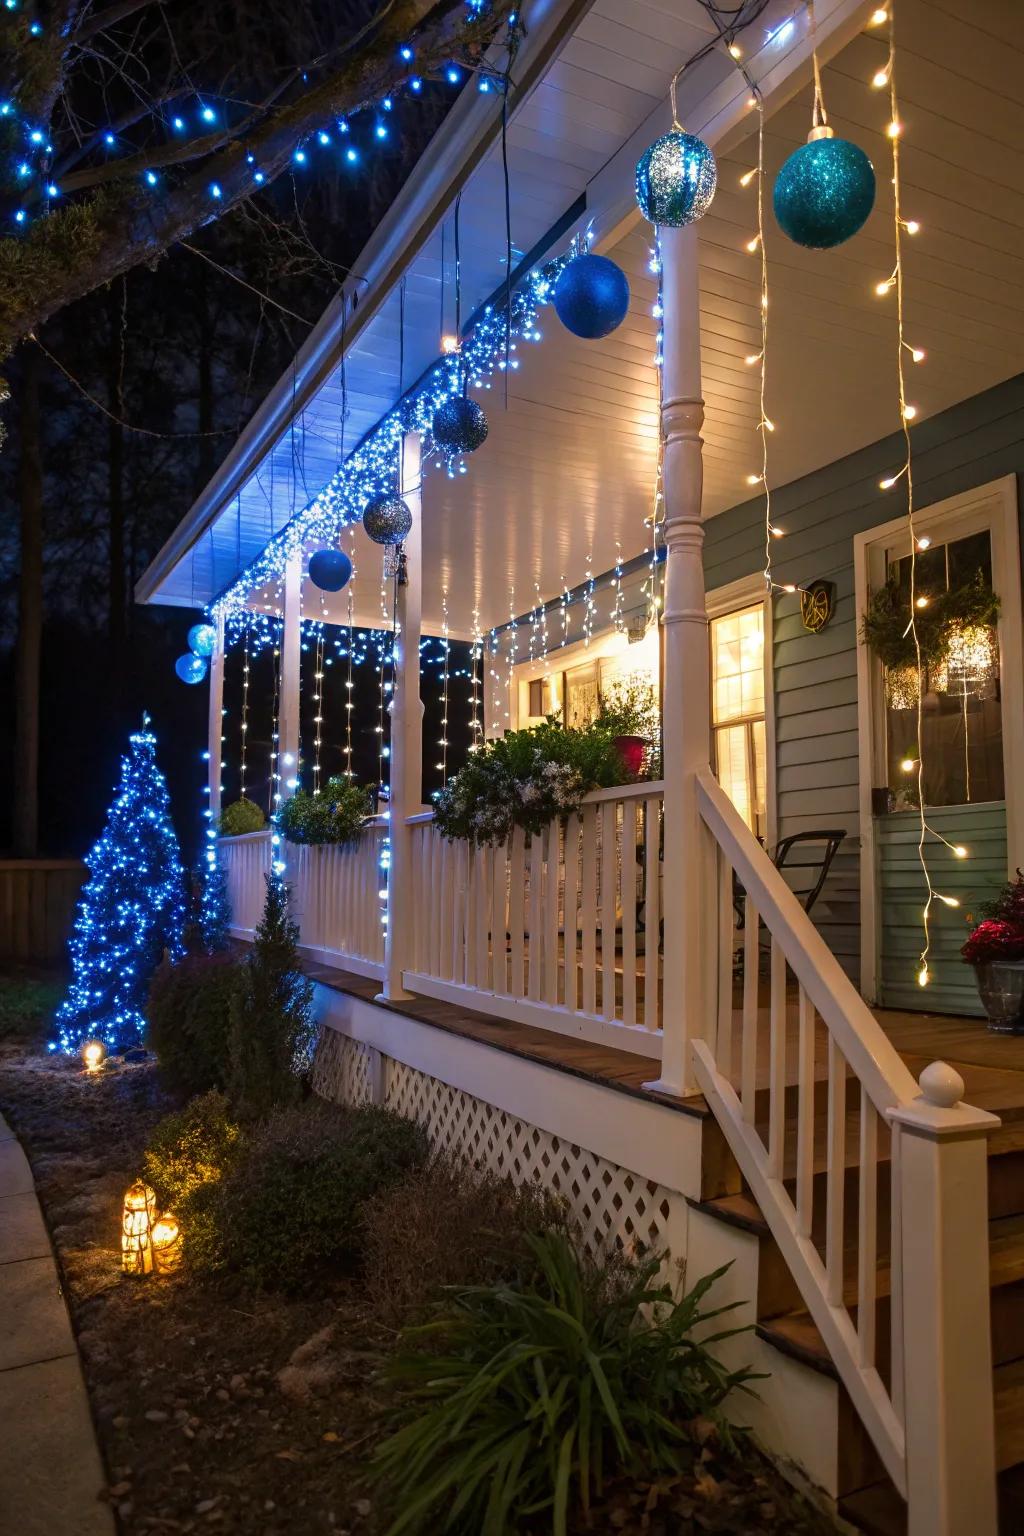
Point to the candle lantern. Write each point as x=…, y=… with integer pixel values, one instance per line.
x=137, y=1230
x=93, y=1055
x=166, y=1244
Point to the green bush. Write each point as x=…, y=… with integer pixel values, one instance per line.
x=188, y=1017
x=271, y=1029
x=526, y=779
x=190, y=1150
x=446, y=1225
x=291, y=1204
x=335, y=815
x=521, y=1400
x=241, y=816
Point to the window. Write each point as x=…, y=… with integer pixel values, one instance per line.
x=961, y=713
x=738, y=712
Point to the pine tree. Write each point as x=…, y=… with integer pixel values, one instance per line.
x=132, y=909
x=214, y=907
x=271, y=1014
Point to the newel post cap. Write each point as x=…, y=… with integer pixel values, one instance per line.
x=941, y=1085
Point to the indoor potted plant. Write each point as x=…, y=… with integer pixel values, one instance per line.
x=629, y=714
x=996, y=951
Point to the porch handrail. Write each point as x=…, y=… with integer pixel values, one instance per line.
x=936, y=1442
x=641, y=789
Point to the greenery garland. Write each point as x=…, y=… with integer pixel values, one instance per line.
x=885, y=624
x=335, y=815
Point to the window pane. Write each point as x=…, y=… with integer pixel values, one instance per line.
x=731, y=764
x=737, y=652
x=760, y=778
x=961, y=728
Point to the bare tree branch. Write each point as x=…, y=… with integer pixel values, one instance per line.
x=99, y=21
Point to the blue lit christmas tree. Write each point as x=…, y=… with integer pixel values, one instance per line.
x=214, y=905
x=132, y=909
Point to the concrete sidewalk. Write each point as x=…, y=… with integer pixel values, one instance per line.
x=50, y=1469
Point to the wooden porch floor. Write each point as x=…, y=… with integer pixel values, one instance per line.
x=992, y=1066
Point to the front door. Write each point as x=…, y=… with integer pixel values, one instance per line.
x=955, y=728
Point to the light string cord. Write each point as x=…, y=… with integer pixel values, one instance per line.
x=349, y=680
x=318, y=704
x=272, y=796
x=245, y=717
x=444, y=688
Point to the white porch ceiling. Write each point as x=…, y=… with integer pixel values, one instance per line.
x=566, y=477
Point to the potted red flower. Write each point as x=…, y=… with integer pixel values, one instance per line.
x=996, y=951
x=629, y=714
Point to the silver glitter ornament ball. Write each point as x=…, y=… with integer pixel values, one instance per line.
x=676, y=180
x=387, y=519
x=460, y=425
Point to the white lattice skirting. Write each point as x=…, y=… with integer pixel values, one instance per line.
x=611, y=1204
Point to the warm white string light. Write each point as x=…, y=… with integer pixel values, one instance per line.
x=895, y=284
x=318, y=705
x=476, y=678
x=245, y=718
x=443, y=742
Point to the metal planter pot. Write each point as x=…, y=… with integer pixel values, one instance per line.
x=1001, y=989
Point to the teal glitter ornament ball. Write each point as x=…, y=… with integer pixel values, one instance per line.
x=459, y=425
x=201, y=639
x=824, y=193
x=591, y=296
x=190, y=668
x=676, y=180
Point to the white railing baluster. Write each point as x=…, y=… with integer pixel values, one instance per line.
x=516, y=893
x=608, y=868
x=748, y=1038
x=588, y=909
x=569, y=913
x=652, y=913
x=552, y=867
x=777, y=1062
x=535, y=938
x=897, y=1366
x=628, y=864
x=867, y=1229
x=805, y=1117
x=835, y=1175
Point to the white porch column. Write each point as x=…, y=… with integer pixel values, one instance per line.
x=215, y=727
x=406, y=734
x=288, y=697
x=689, y=889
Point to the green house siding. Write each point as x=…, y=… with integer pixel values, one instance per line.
x=982, y=830
x=815, y=676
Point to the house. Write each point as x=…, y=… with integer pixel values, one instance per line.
x=695, y=1061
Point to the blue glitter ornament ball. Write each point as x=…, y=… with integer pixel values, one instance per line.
x=824, y=193
x=459, y=426
x=676, y=180
x=591, y=296
x=387, y=519
x=190, y=668
x=329, y=569
x=201, y=639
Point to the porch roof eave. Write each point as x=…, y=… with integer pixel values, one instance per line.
x=472, y=125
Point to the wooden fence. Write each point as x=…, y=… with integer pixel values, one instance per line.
x=37, y=908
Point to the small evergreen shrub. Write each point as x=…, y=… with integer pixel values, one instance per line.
x=271, y=1028
x=446, y=1225
x=191, y=1149
x=291, y=1204
x=335, y=815
x=188, y=1018
x=240, y=817
x=518, y=1401
x=26, y=1006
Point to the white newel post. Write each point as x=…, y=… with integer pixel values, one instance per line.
x=406, y=734
x=688, y=877
x=291, y=662
x=215, y=727
x=944, y=1285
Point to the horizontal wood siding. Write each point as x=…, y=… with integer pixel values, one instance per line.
x=982, y=830
x=815, y=676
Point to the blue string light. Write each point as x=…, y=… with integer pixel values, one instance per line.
x=132, y=909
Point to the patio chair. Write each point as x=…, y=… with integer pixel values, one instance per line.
x=826, y=844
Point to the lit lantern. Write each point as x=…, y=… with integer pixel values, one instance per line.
x=137, y=1230
x=93, y=1055
x=166, y=1244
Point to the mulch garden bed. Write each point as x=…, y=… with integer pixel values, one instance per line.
x=223, y=1410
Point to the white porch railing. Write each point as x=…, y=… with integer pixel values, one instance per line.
x=560, y=930
x=335, y=894
x=336, y=899
x=912, y=1159
x=246, y=863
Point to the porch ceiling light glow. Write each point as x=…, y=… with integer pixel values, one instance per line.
x=372, y=470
